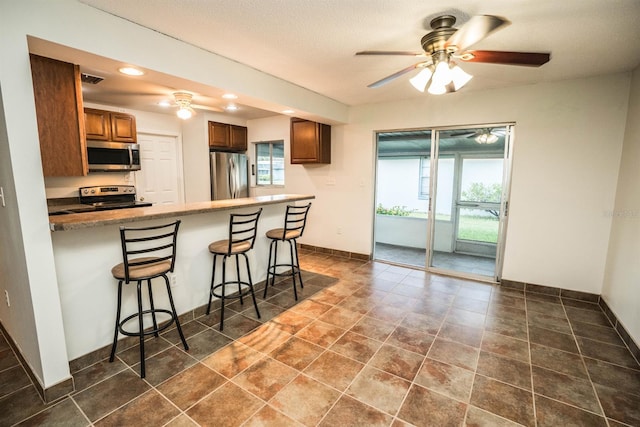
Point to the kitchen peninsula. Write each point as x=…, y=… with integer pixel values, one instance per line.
x=87, y=245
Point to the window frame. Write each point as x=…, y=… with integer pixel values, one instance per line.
x=271, y=163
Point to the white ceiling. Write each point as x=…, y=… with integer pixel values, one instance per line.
x=312, y=42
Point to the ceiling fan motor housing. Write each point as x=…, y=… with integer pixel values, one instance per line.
x=433, y=42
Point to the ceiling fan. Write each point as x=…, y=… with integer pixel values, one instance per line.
x=445, y=44
x=186, y=109
x=486, y=135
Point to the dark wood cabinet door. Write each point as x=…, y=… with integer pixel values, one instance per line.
x=57, y=91
x=238, y=138
x=219, y=135
x=97, y=124
x=123, y=127
x=310, y=142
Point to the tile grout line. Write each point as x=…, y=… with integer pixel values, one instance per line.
x=584, y=365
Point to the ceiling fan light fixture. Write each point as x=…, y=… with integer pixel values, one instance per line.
x=184, y=113
x=183, y=101
x=486, y=138
x=420, y=80
x=459, y=77
x=437, y=89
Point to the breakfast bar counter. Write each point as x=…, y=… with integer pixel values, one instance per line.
x=87, y=245
x=122, y=216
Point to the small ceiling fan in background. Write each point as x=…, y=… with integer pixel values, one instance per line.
x=445, y=44
x=485, y=135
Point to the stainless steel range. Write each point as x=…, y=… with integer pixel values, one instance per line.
x=109, y=197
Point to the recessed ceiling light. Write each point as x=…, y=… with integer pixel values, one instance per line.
x=231, y=107
x=131, y=71
x=288, y=111
x=230, y=96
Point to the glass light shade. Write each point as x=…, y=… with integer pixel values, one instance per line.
x=442, y=75
x=486, y=138
x=459, y=77
x=436, y=89
x=184, y=113
x=420, y=80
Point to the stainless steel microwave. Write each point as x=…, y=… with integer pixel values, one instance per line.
x=108, y=156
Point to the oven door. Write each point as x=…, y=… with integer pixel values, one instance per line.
x=106, y=156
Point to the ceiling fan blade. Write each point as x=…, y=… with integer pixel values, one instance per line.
x=530, y=59
x=390, y=52
x=394, y=76
x=476, y=29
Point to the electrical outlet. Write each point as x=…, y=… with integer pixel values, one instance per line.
x=6, y=296
x=173, y=280
x=339, y=230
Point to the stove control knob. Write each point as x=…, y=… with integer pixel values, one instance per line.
x=93, y=191
x=85, y=191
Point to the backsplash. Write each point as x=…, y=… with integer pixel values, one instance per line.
x=62, y=187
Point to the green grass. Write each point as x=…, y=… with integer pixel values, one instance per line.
x=471, y=227
x=478, y=228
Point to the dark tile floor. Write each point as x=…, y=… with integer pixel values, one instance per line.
x=368, y=344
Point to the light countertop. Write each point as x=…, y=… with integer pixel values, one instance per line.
x=122, y=216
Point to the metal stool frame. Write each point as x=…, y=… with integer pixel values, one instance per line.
x=295, y=220
x=243, y=230
x=158, y=258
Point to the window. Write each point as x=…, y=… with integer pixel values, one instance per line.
x=270, y=163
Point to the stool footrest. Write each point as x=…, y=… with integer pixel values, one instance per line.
x=152, y=331
x=292, y=269
x=245, y=289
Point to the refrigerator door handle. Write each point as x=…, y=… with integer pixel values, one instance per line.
x=232, y=180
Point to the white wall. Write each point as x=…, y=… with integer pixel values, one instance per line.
x=34, y=319
x=621, y=288
x=568, y=141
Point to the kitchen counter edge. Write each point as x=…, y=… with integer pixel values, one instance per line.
x=123, y=216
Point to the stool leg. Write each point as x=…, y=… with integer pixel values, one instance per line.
x=175, y=314
x=238, y=273
x=140, y=324
x=115, y=334
x=293, y=271
x=275, y=263
x=153, y=309
x=266, y=281
x=253, y=295
x=213, y=277
x=222, y=298
x=297, y=262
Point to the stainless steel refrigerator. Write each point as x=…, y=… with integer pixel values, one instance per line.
x=229, y=175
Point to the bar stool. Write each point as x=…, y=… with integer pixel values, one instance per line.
x=295, y=220
x=147, y=253
x=242, y=236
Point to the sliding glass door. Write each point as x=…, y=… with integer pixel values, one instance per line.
x=440, y=196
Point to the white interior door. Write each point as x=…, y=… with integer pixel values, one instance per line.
x=160, y=179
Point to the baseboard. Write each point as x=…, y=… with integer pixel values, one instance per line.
x=336, y=252
x=622, y=331
x=580, y=296
x=49, y=394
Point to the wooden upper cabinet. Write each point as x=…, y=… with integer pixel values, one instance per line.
x=97, y=124
x=123, y=127
x=57, y=91
x=238, y=138
x=310, y=142
x=218, y=135
x=105, y=125
x=227, y=137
